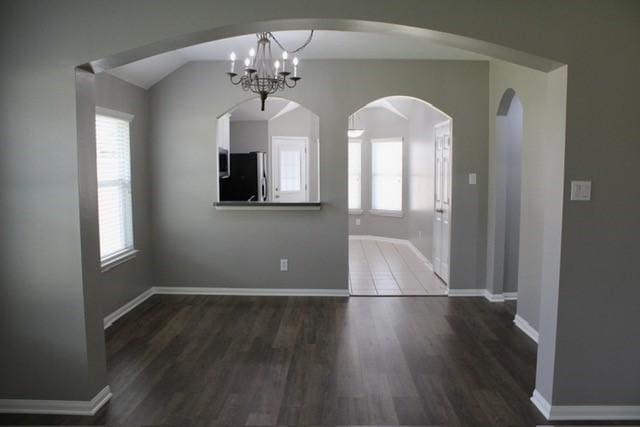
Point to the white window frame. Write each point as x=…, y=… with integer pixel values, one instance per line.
x=383, y=212
x=110, y=261
x=356, y=211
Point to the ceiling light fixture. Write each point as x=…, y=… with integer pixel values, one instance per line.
x=353, y=131
x=261, y=74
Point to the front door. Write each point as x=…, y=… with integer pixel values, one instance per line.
x=289, y=166
x=442, y=215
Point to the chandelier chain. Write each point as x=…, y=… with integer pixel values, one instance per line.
x=305, y=44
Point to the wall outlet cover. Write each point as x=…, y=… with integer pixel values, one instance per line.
x=357, y=221
x=581, y=190
x=284, y=264
x=473, y=178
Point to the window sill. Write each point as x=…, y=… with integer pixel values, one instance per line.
x=395, y=214
x=267, y=206
x=117, y=259
x=355, y=211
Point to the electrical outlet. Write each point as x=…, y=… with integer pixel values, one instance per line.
x=581, y=190
x=284, y=264
x=473, y=179
x=357, y=221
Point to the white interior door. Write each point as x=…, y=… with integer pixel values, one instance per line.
x=442, y=215
x=289, y=166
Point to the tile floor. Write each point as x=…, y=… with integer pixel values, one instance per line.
x=383, y=268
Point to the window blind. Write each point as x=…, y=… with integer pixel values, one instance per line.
x=355, y=174
x=386, y=175
x=114, y=186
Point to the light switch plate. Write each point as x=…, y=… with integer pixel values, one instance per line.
x=472, y=179
x=284, y=264
x=581, y=190
x=357, y=221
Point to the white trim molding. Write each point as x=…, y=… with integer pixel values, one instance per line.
x=57, y=407
x=506, y=296
x=510, y=296
x=405, y=242
x=493, y=297
x=526, y=327
x=111, y=318
x=584, y=412
x=182, y=290
x=467, y=292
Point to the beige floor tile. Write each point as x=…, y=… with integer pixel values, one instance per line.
x=367, y=292
x=390, y=269
x=386, y=284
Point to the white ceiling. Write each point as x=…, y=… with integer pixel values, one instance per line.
x=250, y=111
x=325, y=45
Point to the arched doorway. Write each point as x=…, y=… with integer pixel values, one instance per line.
x=399, y=190
x=503, y=273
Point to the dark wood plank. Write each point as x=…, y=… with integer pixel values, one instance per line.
x=213, y=360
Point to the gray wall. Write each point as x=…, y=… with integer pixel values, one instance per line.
x=199, y=246
x=589, y=300
x=128, y=280
x=249, y=136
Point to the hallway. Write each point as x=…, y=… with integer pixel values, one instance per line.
x=378, y=267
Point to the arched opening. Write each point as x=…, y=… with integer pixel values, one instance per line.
x=229, y=264
x=269, y=155
x=508, y=173
x=399, y=197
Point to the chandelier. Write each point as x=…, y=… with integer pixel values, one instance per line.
x=262, y=74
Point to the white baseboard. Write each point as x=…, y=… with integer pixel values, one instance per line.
x=584, y=413
x=526, y=327
x=467, y=292
x=110, y=318
x=493, y=297
x=510, y=296
x=56, y=407
x=181, y=290
x=405, y=242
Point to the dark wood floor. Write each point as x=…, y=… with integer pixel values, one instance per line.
x=208, y=360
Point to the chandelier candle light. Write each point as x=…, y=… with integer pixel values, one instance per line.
x=261, y=74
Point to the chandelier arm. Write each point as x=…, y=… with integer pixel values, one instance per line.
x=305, y=44
x=290, y=83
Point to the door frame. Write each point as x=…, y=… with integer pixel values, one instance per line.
x=272, y=172
x=449, y=124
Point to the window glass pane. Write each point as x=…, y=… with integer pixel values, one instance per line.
x=355, y=175
x=290, y=171
x=386, y=168
x=114, y=185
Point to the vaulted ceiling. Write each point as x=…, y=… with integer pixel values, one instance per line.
x=325, y=45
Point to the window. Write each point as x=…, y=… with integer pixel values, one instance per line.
x=386, y=175
x=355, y=175
x=114, y=188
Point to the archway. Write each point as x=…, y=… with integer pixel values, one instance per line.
x=227, y=32
x=509, y=134
x=399, y=191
